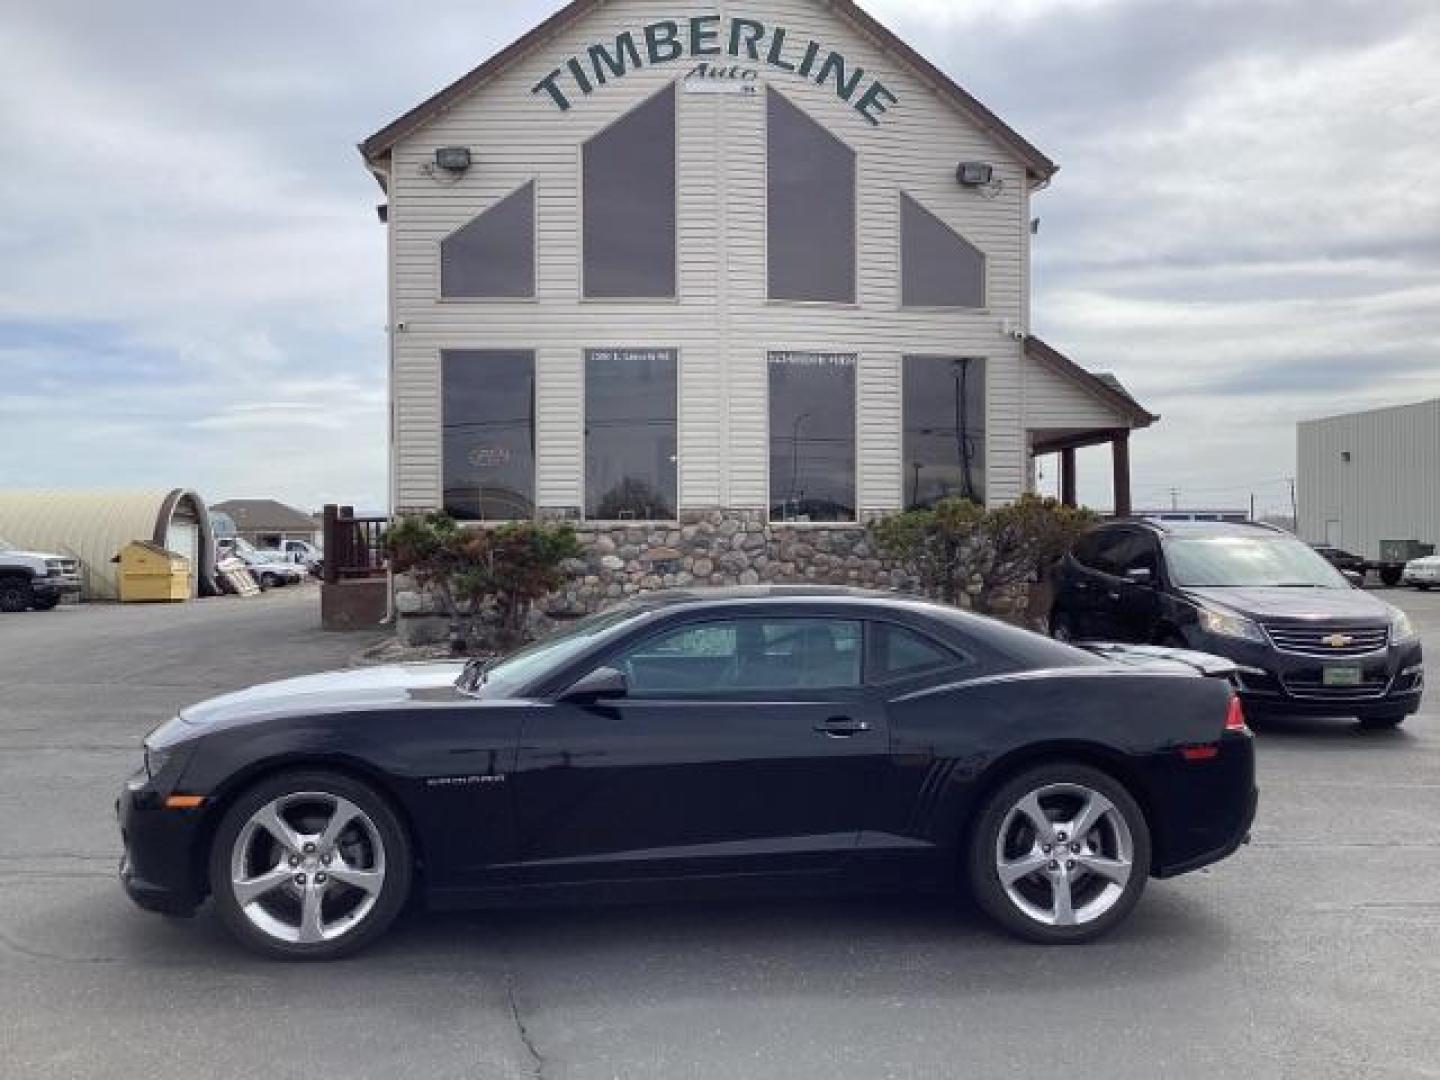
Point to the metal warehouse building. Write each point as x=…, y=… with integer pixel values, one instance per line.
x=1371, y=476
x=93, y=526
x=755, y=262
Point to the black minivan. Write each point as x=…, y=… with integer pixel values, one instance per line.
x=1306, y=640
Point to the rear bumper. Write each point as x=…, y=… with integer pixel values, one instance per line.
x=1224, y=851
x=1201, y=811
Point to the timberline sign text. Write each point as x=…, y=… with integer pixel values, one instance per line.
x=669, y=40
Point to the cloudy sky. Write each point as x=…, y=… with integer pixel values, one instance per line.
x=1246, y=227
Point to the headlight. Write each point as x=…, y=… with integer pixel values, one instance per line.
x=155, y=761
x=1232, y=626
x=1401, y=628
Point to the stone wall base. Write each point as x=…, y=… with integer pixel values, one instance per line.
x=709, y=548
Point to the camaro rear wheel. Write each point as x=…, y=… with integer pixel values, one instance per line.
x=1060, y=854
x=310, y=866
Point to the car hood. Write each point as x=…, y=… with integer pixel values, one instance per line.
x=1273, y=603
x=43, y=556
x=332, y=692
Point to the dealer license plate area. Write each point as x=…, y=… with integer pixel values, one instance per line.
x=1341, y=676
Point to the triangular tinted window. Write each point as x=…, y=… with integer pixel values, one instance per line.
x=630, y=204
x=942, y=268
x=811, y=230
x=494, y=255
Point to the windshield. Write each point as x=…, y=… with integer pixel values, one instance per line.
x=508, y=675
x=1249, y=562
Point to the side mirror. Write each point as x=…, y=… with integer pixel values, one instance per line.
x=1356, y=579
x=602, y=684
x=1141, y=575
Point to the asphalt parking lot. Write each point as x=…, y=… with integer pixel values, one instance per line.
x=1315, y=952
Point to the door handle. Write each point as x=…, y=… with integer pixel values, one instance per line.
x=1113, y=595
x=842, y=727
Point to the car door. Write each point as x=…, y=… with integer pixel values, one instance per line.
x=1133, y=603
x=1091, y=572
x=743, y=745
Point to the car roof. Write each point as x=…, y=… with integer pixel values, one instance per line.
x=1203, y=528
x=772, y=593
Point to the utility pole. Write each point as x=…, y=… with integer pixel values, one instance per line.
x=1252, y=506
x=1294, y=507
x=1174, y=498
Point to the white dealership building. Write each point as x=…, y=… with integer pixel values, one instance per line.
x=662, y=261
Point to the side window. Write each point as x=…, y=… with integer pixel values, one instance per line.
x=743, y=655
x=1140, y=553
x=900, y=653
x=1088, y=549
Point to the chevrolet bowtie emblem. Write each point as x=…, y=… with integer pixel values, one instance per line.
x=1338, y=641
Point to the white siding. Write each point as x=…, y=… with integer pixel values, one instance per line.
x=1055, y=402
x=1387, y=491
x=722, y=323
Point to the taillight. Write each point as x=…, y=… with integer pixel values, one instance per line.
x=1235, y=717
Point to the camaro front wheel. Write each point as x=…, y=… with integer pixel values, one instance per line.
x=310, y=866
x=1060, y=854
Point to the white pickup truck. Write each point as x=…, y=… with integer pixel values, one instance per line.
x=35, y=579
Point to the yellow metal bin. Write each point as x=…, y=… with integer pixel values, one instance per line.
x=149, y=573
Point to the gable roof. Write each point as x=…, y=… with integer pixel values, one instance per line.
x=379, y=145
x=1110, y=390
x=266, y=515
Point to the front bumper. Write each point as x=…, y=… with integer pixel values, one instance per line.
x=1391, y=680
x=162, y=867
x=48, y=587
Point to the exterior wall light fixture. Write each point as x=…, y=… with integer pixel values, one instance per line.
x=453, y=159
x=975, y=173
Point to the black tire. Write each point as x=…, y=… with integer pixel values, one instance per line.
x=1391, y=576
x=1423, y=588
x=15, y=594
x=269, y=581
x=45, y=603
x=1061, y=627
x=985, y=853
x=1385, y=722
x=395, y=859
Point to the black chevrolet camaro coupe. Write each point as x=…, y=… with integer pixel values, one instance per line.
x=702, y=743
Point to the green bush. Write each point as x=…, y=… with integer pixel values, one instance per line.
x=495, y=574
x=959, y=551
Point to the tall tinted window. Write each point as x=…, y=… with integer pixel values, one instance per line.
x=494, y=255
x=811, y=217
x=630, y=204
x=488, y=416
x=630, y=444
x=944, y=430
x=941, y=267
x=812, y=436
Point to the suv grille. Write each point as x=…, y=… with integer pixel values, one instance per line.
x=1313, y=690
x=1329, y=640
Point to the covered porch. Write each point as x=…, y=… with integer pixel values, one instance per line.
x=1068, y=408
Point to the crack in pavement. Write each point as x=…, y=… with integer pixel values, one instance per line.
x=537, y=1059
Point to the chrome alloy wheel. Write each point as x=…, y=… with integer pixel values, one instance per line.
x=307, y=867
x=1064, y=855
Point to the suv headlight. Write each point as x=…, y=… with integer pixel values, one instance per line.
x=1401, y=628
x=1223, y=624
